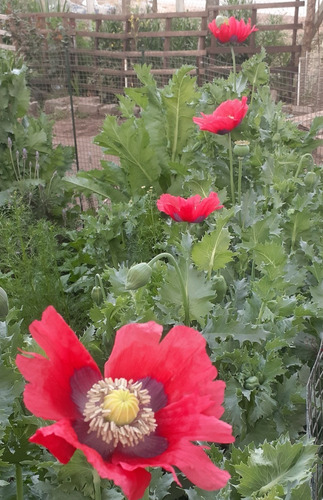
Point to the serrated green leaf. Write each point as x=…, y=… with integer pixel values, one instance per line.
x=177, y=97
x=130, y=142
x=212, y=252
x=199, y=292
x=80, y=473
x=276, y=464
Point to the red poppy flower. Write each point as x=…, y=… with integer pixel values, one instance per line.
x=225, y=118
x=232, y=30
x=154, y=399
x=192, y=209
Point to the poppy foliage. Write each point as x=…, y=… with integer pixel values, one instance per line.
x=193, y=209
x=225, y=118
x=155, y=398
x=231, y=30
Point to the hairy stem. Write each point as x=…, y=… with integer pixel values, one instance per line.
x=19, y=483
x=231, y=170
x=181, y=282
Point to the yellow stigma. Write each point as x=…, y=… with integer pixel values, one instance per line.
x=123, y=406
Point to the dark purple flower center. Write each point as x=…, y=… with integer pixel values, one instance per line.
x=97, y=426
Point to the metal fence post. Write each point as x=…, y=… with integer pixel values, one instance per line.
x=70, y=91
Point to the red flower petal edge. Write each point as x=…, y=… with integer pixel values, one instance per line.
x=174, y=380
x=193, y=209
x=232, y=31
x=225, y=118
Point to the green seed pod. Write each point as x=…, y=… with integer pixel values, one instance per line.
x=4, y=304
x=219, y=20
x=220, y=286
x=138, y=275
x=96, y=295
x=251, y=383
x=241, y=148
x=310, y=179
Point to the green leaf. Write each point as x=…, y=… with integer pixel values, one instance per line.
x=177, y=98
x=130, y=142
x=80, y=473
x=199, y=291
x=276, y=464
x=159, y=484
x=212, y=252
x=90, y=185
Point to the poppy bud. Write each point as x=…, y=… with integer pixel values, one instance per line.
x=220, y=286
x=96, y=295
x=310, y=179
x=241, y=148
x=4, y=304
x=138, y=275
x=219, y=20
x=251, y=383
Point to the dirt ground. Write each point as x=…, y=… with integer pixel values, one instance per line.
x=89, y=155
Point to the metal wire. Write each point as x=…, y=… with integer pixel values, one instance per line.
x=314, y=420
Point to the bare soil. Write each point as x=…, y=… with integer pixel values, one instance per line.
x=89, y=154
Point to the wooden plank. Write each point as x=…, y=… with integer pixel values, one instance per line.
x=257, y=6
x=7, y=47
x=249, y=50
x=112, y=17
x=279, y=27
x=122, y=73
x=114, y=54
x=140, y=34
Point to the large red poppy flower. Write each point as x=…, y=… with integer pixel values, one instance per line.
x=154, y=399
x=191, y=209
x=232, y=30
x=225, y=118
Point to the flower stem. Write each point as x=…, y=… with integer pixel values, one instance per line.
x=98, y=282
x=181, y=283
x=231, y=170
x=97, y=485
x=239, y=179
x=13, y=164
x=234, y=70
x=19, y=483
x=300, y=164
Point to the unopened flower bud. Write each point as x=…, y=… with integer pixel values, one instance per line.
x=96, y=295
x=24, y=153
x=310, y=179
x=241, y=148
x=4, y=304
x=219, y=20
x=251, y=383
x=138, y=275
x=9, y=143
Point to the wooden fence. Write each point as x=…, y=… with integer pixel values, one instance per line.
x=5, y=35
x=103, y=48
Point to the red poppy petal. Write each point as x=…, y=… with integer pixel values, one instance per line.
x=190, y=459
x=135, y=351
x=48, y=394
x=198, y=468
x=184, y=366
x=133, y=482
x=209, y=204
x=54, y=440
x=185, y=419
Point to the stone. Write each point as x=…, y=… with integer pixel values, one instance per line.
x=109, y=109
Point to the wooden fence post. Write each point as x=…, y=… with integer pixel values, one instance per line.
x=308, y=27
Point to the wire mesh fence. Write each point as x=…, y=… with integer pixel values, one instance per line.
x=314, y=420
x=64, y=81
